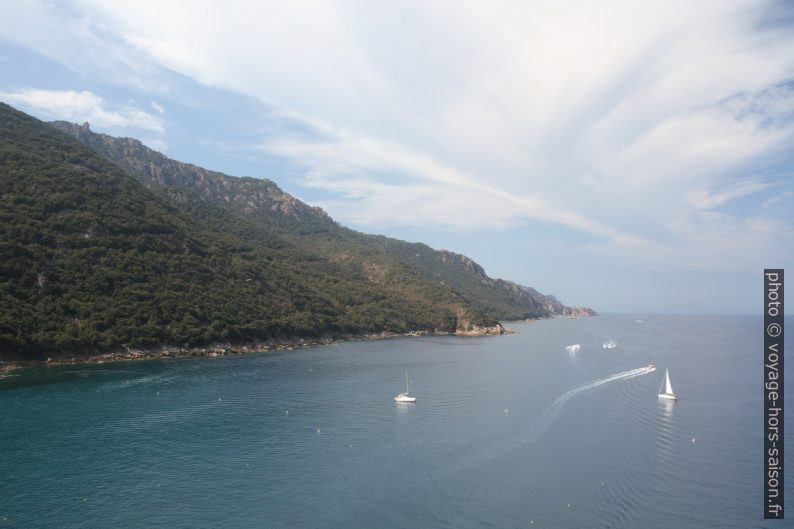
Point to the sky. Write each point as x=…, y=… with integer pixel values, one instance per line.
x=627, y=156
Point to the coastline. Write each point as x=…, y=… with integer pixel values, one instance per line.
x=225, y=349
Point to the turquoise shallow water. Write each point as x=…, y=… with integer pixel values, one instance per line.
x=507, y=432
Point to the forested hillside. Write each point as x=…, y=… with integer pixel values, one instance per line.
x=245, y=206
x=91, y=261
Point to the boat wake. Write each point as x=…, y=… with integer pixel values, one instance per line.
x=542, y=423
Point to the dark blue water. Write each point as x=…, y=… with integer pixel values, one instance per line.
x=507, y=432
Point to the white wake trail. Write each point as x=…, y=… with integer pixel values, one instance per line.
x=547, y=417
x=542, y=423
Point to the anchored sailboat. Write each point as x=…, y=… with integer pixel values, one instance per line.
x=405, y=397
x=668, y=392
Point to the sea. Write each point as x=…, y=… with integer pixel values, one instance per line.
x=512, y=431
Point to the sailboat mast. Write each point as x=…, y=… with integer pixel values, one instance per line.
x=406, y=381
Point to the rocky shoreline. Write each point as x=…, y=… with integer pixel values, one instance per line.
x=224, y=349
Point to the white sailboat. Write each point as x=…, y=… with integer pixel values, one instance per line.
x=668, y=392
x=405, y=397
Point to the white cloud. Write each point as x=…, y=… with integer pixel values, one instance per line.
x=716, y=242
x=78, y=40
x=82, y=106
x=777, y=199
x=633, y=122
x=712, y=199
x=432, y=192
